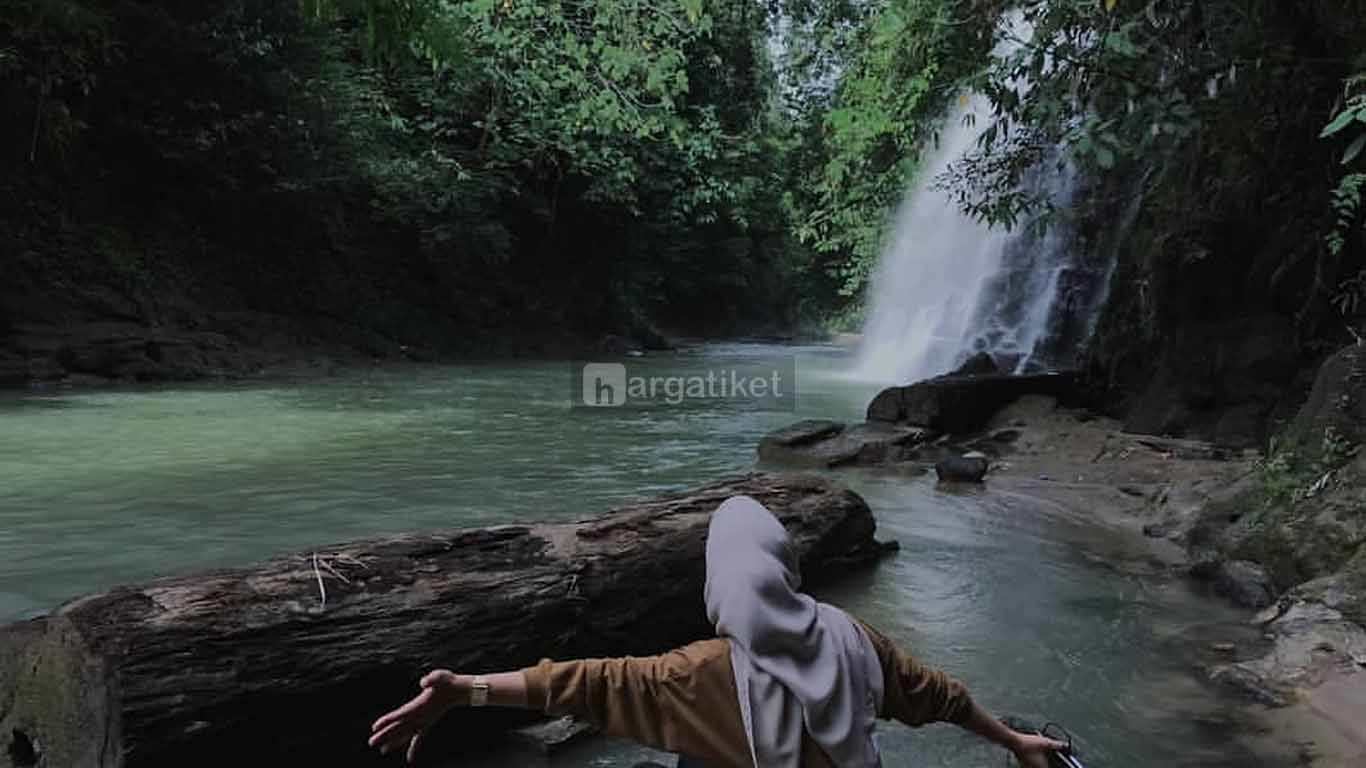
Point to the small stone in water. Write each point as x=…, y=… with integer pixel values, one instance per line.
x=1223, y=647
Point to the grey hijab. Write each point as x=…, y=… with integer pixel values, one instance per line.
x=799, y=665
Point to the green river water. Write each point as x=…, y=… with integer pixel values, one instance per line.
x=1042, y=614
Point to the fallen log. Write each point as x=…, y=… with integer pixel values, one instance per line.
x=288, y=661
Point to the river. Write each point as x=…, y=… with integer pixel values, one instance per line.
x=1042, y=614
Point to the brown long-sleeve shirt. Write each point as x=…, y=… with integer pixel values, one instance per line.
x=685, y=701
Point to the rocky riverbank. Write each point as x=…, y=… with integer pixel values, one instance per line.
x=110, y=347
x=1281, y=533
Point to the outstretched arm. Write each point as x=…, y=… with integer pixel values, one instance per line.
x=652, y=700
x=917, y=695
x=1032, y=751
x=442, y=690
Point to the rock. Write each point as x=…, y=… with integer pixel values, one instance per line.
x=1303, y=538
x=1228, y=648
x=1240, y=426
x=827, y=444
x=123, y=351
x=1207, y=371
x=977, y=365
x=1337, y=402
x=549, y=736
x=13, y=371
x=970, y=469
x=1159, y=530
x=1310, y=642
x=960, y=405
x=210, y=669
x=803, y=433
x=651, y=339
x=1343, y=591
x=1188, y=449
x=1005, y=436
x=1245, y=583
x=1246, y=682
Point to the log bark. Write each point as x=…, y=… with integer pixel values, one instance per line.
x=241, y=666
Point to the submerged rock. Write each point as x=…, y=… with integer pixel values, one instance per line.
x=817, y=443
x=551, y=736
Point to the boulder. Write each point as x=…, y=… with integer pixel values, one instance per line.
x=977, y=365
x=118, y=350
x=958, y=404
x=1343, y=591
x=1245, y=583
x=1310, y=643
x=1306, y=536
x=1336, y=404
x=1218, y=381
x=969, y=469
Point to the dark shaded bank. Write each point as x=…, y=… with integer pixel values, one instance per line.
x=96, y=350
x=294, y=656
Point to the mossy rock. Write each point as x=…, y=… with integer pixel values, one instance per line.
x=1336, y=405
x=1344, y=591
x=1305, y=539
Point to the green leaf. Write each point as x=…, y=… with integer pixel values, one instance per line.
x=1105, y=157
x=1354, y=149
x=1344, y=119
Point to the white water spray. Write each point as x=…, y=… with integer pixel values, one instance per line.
x=930, y=279
x=948, y=286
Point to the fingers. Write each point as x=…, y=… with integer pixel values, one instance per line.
x=392, y=737
x=397, y=714
x=414, y=704
x=1052, y=744
x=412, y=747
x=432, y=678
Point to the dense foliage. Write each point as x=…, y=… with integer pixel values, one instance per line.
x=431, y=169
x=440, y=168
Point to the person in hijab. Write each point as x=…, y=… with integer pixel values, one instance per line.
x=788, y=682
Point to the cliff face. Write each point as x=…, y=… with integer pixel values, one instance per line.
x=1222, y=298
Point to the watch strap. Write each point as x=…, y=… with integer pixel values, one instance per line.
x=479, y=691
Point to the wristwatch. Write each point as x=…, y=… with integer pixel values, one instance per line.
x=479, y=691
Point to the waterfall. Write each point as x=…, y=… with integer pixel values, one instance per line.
x=948, y=286
x=933, y=272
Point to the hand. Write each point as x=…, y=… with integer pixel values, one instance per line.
x=1032, y=751
x=441, y=690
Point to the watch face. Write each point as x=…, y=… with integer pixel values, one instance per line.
x=479, y=693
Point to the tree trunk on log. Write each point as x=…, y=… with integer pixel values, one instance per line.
x=288, y=662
